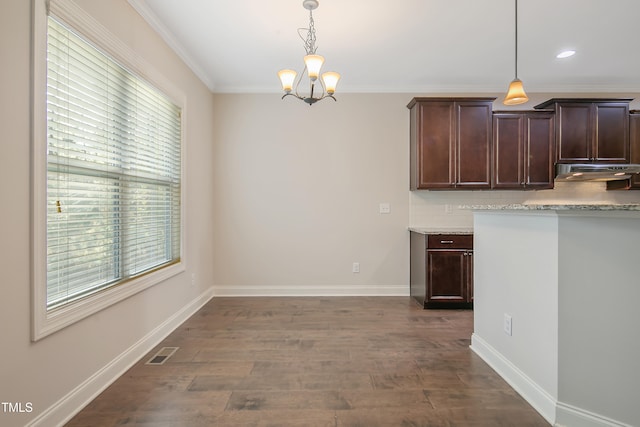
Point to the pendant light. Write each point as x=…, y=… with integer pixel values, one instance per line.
x=516, y=94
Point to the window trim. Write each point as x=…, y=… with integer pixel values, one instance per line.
x=46, y=322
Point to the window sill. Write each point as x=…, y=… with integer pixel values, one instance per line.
x=48, y=322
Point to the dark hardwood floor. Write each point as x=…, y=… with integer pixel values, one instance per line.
x=321, y=361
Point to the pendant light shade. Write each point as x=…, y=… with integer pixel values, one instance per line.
x=330, y=79
x=313, y=63
x=515, y=93
x=287, y=77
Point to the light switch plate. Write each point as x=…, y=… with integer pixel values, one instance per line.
x=507, y=324
x=385, y=208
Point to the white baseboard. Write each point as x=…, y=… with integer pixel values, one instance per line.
x=68, y=406
x=569, y=416
x=309, y=291
x=557, y=413
x=537, y=397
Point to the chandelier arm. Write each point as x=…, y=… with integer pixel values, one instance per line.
x=324, y=89
x=309, y=100
x=325, y=97
x=298, y=80
x=292, y=94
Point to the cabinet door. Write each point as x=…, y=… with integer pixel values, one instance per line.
x=470, y=276
x=523, y=150
x=432, y=145
x=446, y=277
x=539, y=144
x=634, y=153
x=611, y=133
x=473, y=138
x=508, y=156
x=597, y=131
x=574, y=135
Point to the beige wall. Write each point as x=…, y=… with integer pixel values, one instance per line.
x=49, y=370
x=298, y=190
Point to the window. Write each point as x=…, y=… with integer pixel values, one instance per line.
x=113, y=181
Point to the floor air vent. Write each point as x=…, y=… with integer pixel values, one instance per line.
x=162, y=355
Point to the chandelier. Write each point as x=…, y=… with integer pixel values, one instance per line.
x=312, y=64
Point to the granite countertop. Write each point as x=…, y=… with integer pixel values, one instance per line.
x=441, y=230
x=557, y=207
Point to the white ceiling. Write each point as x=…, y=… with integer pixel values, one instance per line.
x=417, y=46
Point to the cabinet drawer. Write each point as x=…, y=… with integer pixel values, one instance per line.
x=450, y=241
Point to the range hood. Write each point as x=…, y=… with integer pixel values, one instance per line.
x=595, y=172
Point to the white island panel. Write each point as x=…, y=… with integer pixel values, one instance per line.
x=599, y=321
x=515, y=274
x=570, y=280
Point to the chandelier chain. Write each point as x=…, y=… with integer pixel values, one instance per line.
x=310, y=39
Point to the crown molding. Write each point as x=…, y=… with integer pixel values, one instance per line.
x=444, y=89
x=152, y=19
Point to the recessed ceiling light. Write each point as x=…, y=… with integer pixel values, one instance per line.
x=565, y=54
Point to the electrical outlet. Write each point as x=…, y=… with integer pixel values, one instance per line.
x=448, y=209
x=507, y=324
x=193, y=279
x=356, y=267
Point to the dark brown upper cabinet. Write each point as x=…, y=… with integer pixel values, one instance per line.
x=591, y=130
x=450, y=143
x=523, y=150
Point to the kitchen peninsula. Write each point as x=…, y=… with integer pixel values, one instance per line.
x=555, y=309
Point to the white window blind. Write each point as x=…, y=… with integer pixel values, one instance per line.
x=113, y=171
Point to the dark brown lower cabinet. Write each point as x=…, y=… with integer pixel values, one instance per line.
x=442, y=270
x=634, y=130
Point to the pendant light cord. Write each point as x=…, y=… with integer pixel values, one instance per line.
x=516, y=39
